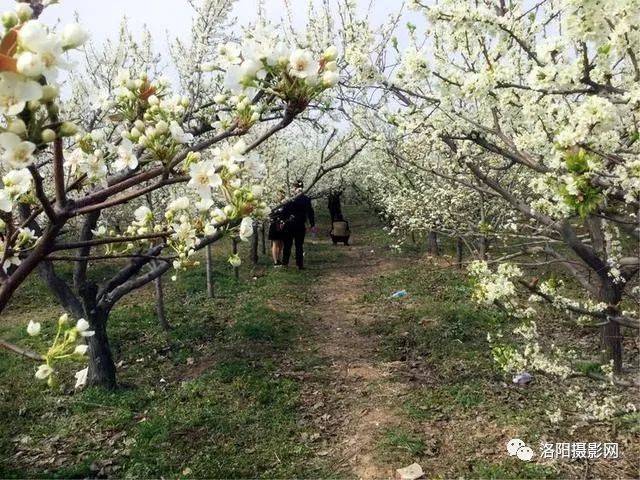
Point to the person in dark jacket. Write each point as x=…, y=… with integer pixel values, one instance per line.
x=277, y=229
x=335, y=206
x=298, y=210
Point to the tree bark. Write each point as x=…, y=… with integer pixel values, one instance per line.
x=610, y=333
x=254, y=244
x=483, y=242
x=30, y=263
x=483, y=247
x=102, y=370
x=263, y=231
x=162, y=318
x=459, y=251
x=432, y=243
x=209, y=272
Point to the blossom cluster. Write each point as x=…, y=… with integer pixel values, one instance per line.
x=31, y=56
x=264, y=62
x=149, y=122
x=67, y=343
x=492, y=287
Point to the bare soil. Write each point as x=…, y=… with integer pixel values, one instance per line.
x=353, y=401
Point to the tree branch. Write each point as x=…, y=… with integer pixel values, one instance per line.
x=58, y=174
x=108, y=241
x=21, y=351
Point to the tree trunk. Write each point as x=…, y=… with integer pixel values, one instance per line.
x=102, y=370
x=459, y=251
x=236, y=270
x=432, y=243
x=160, y=304
x=483, y=247
x=209, y=272
x=610, y=333
x=263, y=231
x=612, y=340
x=254, y=244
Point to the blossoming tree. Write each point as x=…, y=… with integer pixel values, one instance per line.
x=63, y=175
x=537, y=105
x=312, y=152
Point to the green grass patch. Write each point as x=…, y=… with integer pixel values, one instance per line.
x=203, y=398
x=511, y=468
x=402, y=442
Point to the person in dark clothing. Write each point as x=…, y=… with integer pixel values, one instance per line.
x=277, y=230
x=335, y=206
x=340, y=231
x=298, y=210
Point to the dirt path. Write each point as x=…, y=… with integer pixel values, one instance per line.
x=354, y=399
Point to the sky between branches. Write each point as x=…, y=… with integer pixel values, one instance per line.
x=102, y=18
x=169, y=19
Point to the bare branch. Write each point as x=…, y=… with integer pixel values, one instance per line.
x=30, y=354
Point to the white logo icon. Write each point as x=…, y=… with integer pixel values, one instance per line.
x=518, y=448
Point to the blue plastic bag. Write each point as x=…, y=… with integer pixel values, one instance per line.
x=399, y=294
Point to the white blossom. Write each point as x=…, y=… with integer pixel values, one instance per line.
x=302, y=64
x=15, y=92
x=81, y=377
x=246, y=229
x=44, y=372
x=126, y=156
x=17, y=153
x=73, y=36
x=33, y=328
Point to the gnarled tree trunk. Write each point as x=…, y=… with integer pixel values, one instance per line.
x=102, y=369
x=611, y=334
